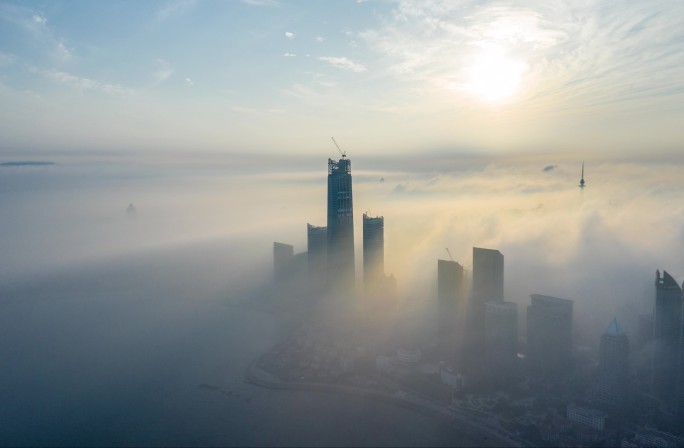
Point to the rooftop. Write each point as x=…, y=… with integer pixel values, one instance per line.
x=614, y=329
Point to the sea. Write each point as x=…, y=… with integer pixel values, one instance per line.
x=129, y=330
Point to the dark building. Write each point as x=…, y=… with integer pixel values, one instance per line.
x=501, y=339
x=487, y=286
x=450, y=291
x=667, y=322
x=450, y=283
x=549, y=334
x=488, y=276
x=612, y=382
x=340, y=225
x=373, y=252
x=645, y=333
x=282, y=259
x=679, y=409
x=317, y=247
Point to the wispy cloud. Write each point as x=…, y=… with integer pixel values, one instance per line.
x=580, y=54
x=6, y=59
x=289, y=35
x=260, y=2
x=320, y=38
x=189, y=82
x=39, y=19
x=162, y=72
x=289, y=55
x=589, y=67
x=81, y=83
x=62, y=53
x=175, y=8
x=344, y=63
x=35, y=23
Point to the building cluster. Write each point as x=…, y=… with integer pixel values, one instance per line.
x=310, y=354
x=487, y=340
x=477, y=347
x=330, y=249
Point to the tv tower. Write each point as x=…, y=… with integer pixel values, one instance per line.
x=581, y=184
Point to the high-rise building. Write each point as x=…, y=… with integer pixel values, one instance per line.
x=501, y=339
x=611, y=387
x=340, y=225
x=667, y=322
x=679, y=407
x=450, y=283
x=488, y=276
x=645, y=331
x=487, y=286
x=282, y=258
x=450, y=307
x=549, y=334
x=317, y=249
x=373, y=252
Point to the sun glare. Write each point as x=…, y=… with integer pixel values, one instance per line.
x=494, y=77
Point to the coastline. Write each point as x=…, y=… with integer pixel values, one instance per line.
x=400, y=398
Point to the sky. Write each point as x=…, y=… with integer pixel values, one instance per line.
x=467, y=123
x=271, y=77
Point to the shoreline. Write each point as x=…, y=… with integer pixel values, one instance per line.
x=400, y=398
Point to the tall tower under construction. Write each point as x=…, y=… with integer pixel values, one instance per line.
x=340, y=225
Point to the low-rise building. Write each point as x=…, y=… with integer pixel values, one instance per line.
x=587, y=416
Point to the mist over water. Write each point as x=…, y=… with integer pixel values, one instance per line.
x=110, y=323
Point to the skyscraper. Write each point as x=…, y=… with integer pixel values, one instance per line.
x=667, y=322
x=450, y=287
x=611, y=387
x=501, y=339
x=450, y=306
x=487, y=286
x=679, y=408
x=549, y=334
x=373, y=252
x=317, y=244
x=340, y=225
x=488, y=277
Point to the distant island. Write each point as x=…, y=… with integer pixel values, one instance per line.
x=27, y=163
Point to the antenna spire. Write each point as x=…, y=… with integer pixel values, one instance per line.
x=582, y=182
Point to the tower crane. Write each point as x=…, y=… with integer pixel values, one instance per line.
x=449, y=252
x=342, y=153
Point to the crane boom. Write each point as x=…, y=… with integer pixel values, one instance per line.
x=342, y=153
x=449, y=252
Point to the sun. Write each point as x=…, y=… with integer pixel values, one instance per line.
x=494, y=77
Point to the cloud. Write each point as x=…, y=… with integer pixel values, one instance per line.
x=6, y=59
x=289, y=35
x=584, y=59
x=163, y=71
x=62, y=53
x=189, y=82
x=289, y=55
x=81, y=83
x=343, y=63
x=36, y=24
x=175, y=8
x=260, y=2
x=320, y=38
